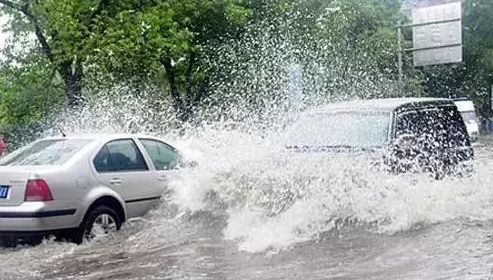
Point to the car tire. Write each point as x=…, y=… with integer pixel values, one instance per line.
x=103, y=217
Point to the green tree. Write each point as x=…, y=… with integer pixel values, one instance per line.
x=146, y=38
x=62, y=29
x=28, y=96
x=129, y=38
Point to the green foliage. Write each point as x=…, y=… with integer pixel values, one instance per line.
x=134, y=39
x=28, y=95
x=162, y=42
x=85, y=46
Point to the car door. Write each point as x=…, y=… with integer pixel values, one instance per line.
x=166, y=160
x=121, y=166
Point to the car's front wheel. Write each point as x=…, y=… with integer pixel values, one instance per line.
x=100, y=221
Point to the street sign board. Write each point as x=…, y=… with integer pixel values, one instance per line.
x=437, y=34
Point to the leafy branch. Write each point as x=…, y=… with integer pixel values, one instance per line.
x=25, y=9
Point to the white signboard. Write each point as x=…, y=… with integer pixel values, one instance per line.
x=437, y=34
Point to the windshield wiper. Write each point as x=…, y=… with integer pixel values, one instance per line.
x=326, y=148
x=339, y=146
x=322, y=147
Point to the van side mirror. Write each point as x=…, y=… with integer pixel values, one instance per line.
x=405, y=141
x=402, y=151
x=191, y=164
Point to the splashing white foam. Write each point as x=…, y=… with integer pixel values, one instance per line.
x=275, y=198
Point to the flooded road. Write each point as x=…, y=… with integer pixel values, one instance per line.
x=457, y=250
x=256, y=213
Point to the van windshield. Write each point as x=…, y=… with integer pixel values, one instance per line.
x=359, y=129
x=44, y=152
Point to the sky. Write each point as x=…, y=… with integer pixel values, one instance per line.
x=18, y=48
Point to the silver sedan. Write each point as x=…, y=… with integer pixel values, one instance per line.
x=79, y=186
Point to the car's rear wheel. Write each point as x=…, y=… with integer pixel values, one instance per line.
x=100, y=221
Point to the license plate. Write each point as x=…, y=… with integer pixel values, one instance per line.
x=4, y=191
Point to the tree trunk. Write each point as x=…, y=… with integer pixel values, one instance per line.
x=203, y=90
x=72, y=74
x=189, y=82
x=175, y=93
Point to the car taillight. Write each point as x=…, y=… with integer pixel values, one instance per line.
x=37, y=190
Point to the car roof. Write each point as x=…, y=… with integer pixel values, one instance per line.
x=384, y=104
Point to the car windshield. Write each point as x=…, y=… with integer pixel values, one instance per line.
x=45, y=152
x=341, y=129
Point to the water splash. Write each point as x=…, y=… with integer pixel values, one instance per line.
x=272, y=199
x=275, y=198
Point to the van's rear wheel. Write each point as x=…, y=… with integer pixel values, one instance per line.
x=101, y=221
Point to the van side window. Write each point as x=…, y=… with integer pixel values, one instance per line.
x=163, y=156
x=442, y=126
x=120, y=156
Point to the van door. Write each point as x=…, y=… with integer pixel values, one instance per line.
x=442, y=138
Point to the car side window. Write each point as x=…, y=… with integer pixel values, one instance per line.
x=162, y=155
x=120, y=156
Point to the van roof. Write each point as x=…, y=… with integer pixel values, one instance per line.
x=464, y=105
x=385, y=104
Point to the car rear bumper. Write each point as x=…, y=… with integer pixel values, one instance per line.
x=14, y=238
x=31, y=234
x=37, y=217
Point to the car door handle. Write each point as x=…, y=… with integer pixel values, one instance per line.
x=162, y=178
x=116, y=181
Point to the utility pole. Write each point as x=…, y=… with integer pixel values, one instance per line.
x=399, y=57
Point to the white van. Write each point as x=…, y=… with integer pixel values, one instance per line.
x=468, y=112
